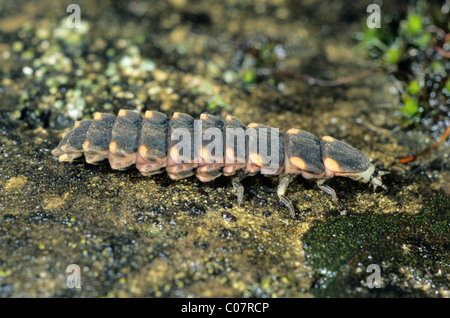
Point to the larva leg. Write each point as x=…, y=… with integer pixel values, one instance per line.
x=240, y=175
x=282, y=187
x=327, y=189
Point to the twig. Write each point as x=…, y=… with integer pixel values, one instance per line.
x=445, y=37
x=437, y=143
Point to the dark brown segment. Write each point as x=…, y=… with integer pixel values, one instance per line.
x=305, y=146
x=233, y=125
x=153, y=137
x=210, y=121
x=345, y=158
x=213, y=174
x=72, y=142
x=212, y=149
x=181, y=174
x=263, y=157
x=98, y=136
x=179, y=164
x=180, y=122
x=125, y=133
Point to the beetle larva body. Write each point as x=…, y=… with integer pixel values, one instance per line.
x=210, y=147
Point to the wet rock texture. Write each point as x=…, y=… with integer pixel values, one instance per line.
x=139, y=236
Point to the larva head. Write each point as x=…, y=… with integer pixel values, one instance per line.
x=372, y=175
x=341, y=159
x=375, y=179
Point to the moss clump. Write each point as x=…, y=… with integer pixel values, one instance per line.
x=341, y=249
x=330, y=245
x=410, y=46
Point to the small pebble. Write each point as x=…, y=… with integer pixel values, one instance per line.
x=229, y=217
x=228, y=205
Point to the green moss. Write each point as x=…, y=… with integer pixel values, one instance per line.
x=334, y=248
x=439, y=207
x=423, y=40
x=414, y=87
x=216, y=102
x=393, y=54
x=447, y=86
x=330, y=245
x=414, y=24
x=410, y=106
x=403, y=45
x=249, y=77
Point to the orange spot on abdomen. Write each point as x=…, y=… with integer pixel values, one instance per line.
x=332, y=165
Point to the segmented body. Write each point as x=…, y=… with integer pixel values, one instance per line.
x=148, y=142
